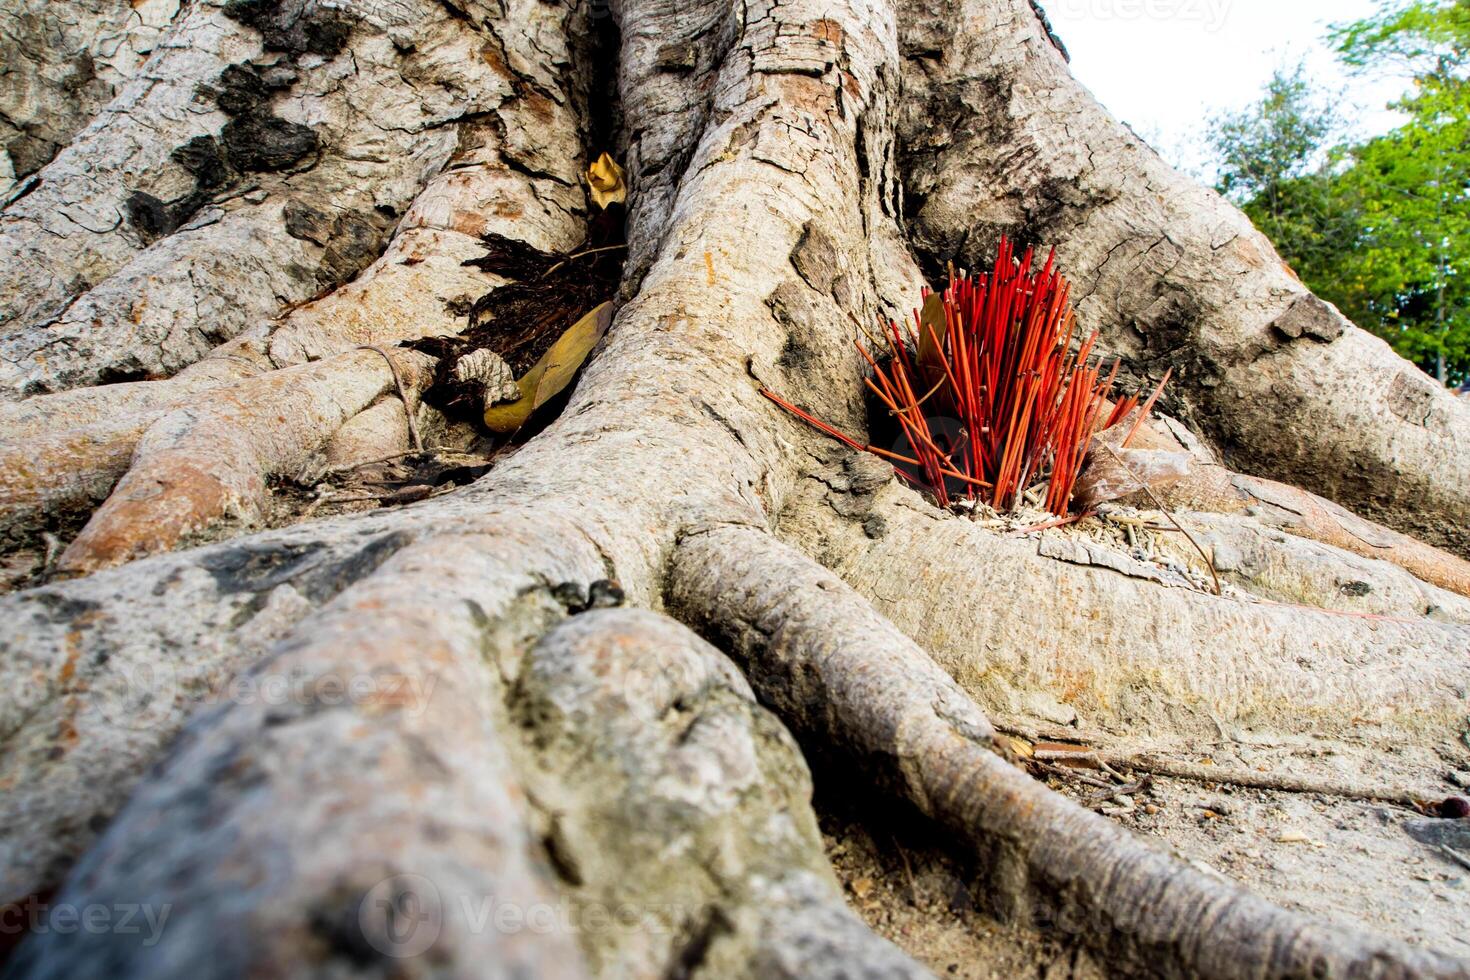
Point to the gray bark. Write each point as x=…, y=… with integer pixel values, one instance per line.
x=64, y=62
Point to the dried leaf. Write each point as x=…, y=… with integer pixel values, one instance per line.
x=933, y=328
x=551, y=375
x=605, y=178
x=512, y=258
x=1106, y=475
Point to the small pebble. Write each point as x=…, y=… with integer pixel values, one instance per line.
x=1455, y=808
x=605, y=594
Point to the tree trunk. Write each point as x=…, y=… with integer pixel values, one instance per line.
x=565, y=718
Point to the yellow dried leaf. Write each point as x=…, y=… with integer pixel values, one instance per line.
x=931, y=356
x=605, y=178
x=551, y=375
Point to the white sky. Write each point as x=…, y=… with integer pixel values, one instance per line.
x=1165, y=66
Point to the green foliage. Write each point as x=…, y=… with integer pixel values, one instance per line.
x=1380, y=228
x=1425, y=38
x=1273, y=141
x=1272, y=163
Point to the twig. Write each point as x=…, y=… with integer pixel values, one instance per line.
x=322, y=495
x=1113, y=792
x=1070, y=773
x=410, y=493
x=578, y=255
x=1049, y=525
x=1058, y=755
x=1195, y=772
x=388, y=459
x=355, y=499
x=1209, y=562
x=413, y=426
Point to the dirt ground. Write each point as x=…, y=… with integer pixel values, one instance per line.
x=1380, y=866
x=925, y=901
x=1375, y=865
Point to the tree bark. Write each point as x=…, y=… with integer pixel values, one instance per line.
x=592, y=682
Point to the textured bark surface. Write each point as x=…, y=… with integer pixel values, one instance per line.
x=1150, y=660
x=133, y=257
x=835, y=668
x=565, y=720
x=64, y=63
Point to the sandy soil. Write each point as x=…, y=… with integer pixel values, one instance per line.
x=921, y=898
x=1375, y=865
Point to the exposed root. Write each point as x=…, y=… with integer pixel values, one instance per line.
x=81, y=407
x=1212, y=488
x=166, y=308
x=1217, y=490
x=840, y=675
x=418, y=723
x=55, y=479
x=149, y=296
x=640, y=736
x=1093, y=632
x=410, y=708
x=1275, y=564
x=373, y=770
x=70, y=448
x=198, y=465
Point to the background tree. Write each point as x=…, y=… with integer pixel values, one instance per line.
x=1377, y=227
x=1276, y=159
x=1407, y=269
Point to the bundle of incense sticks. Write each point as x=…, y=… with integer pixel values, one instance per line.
x=993, y=353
